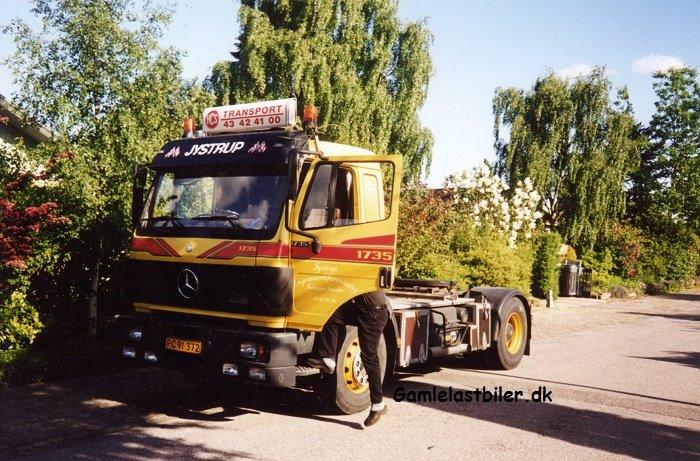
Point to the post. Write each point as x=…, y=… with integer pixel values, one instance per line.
x=94, y=287
x=550, y=298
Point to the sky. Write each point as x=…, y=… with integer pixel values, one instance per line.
x=478, y=46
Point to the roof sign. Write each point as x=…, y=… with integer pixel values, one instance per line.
x=254, y=116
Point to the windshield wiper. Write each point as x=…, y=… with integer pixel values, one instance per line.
x=232, y=218
x=171, y=219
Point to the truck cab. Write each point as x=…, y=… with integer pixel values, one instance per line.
x=253, y=233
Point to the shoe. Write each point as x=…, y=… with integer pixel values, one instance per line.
x=325, y=364
x=374, y=416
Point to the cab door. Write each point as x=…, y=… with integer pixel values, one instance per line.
x=351, y=204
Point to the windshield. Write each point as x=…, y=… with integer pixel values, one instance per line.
x=223, y=205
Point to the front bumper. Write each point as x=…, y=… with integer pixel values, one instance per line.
x=220, y=348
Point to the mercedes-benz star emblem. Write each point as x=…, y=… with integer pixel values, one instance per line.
x=187, y=284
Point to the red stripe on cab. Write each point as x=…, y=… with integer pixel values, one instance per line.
x=346, y=254
x=148, y=245
x=167, y=247
x=273, y=250
x=214, y=249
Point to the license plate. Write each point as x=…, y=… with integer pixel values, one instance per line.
x=183, y=345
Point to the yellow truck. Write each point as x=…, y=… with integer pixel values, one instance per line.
x=254, y=232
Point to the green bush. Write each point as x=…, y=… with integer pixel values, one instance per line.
x=671, y=262
x=671, y=256
x=664, y=256
x=424, y=232
x=545, y=267
x=438, y=242
x=484, y=258
x=627, y=245
x=20, y=366
x=19, y=320
x=604, y=277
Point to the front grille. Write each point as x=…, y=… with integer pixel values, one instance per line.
x=236, y=289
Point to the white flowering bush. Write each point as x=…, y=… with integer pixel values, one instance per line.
x=14, y=162
x=483, y=195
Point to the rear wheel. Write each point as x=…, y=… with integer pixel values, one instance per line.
x=512, y=336
x=347, y=390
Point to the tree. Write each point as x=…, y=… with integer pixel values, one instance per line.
x=668, y=182
x=367, y=72
x=23, y=215
x=576, y=145
x=96, y=75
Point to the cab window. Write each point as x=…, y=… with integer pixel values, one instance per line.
x=332, y=200
x=344, y=209
x=316, y=207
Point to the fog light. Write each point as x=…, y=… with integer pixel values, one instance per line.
x=135, y=334
x=150, y=357
x=129, y=352
x=257, y=373
x=249, y=350
x=229, y=369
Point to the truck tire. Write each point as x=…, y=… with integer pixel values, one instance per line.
x=347, y=390
x=508, y=350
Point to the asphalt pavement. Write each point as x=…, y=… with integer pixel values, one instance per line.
x=623, y=378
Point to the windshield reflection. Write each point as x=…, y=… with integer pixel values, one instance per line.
x=214, y=202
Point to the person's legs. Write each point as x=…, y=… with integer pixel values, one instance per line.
x=325, y=347
x=326, y=342
x=371, y=320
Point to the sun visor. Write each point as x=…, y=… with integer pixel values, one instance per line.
x=228, y=150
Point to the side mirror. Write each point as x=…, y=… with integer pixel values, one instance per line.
x=138, y=192
x=292, y=191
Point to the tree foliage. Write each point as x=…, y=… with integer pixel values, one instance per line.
x=576, y=144
x=367, y=72
x=97, y=77
x=668, y=181
x=23, y=216
x=437, y=239
x=545, y=268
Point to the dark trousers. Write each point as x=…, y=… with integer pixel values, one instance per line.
x=370, y=313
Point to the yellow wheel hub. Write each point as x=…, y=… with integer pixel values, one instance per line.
x=353, y=370
x=515, y=332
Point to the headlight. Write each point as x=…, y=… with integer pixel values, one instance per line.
x=135, y=334
x=129, y=352
x=249, y=350
x=229, y=369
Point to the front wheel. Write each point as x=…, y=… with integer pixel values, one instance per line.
x=347, y=390
x=512, y=336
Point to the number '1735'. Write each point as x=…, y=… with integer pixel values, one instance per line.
x=375, y=255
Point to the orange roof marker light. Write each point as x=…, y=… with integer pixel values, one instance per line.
x=310, y=116
x=188, y=127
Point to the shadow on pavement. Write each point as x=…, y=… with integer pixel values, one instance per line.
x=233, y=399
x=587, y=428
x=691, y=359
x=136, y=444
x=694, y=296
x=678, y=316
x=123, y=405
x=455, y=365
x=117, y=415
